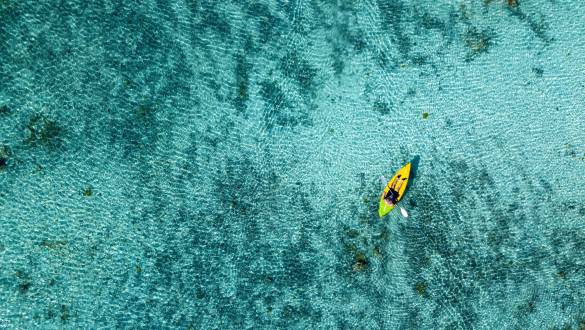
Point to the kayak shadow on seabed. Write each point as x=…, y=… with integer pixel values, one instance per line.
x=413, y=170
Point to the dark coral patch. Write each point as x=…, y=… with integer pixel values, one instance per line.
x=537, y=24
x=279, y=112
x=23, y=287
x=215, y=22
x=5, y=153
x=393, y=13
x=64, y=313
x=297, y=68
x=538, y=72
x=242, y=73
x=382, y=107
x=44, y=131
x=4, y=110
x=267, y=22
x=53, y=245
x=478, y=41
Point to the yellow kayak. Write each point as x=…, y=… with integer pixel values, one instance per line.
x=404, y=173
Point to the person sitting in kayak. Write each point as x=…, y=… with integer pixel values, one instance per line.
x=391, y=197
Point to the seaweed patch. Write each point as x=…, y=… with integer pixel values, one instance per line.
x=88, y=191
x=360, y=262
x=421, y=288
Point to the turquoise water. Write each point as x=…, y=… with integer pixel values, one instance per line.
x=215, y=165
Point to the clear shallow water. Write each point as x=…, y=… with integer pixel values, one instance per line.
x=201, y=165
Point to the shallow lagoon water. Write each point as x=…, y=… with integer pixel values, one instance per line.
x=202, y=165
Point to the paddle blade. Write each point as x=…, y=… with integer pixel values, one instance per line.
x=403, y=212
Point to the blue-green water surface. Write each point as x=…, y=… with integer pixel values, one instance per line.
x=215, y=165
